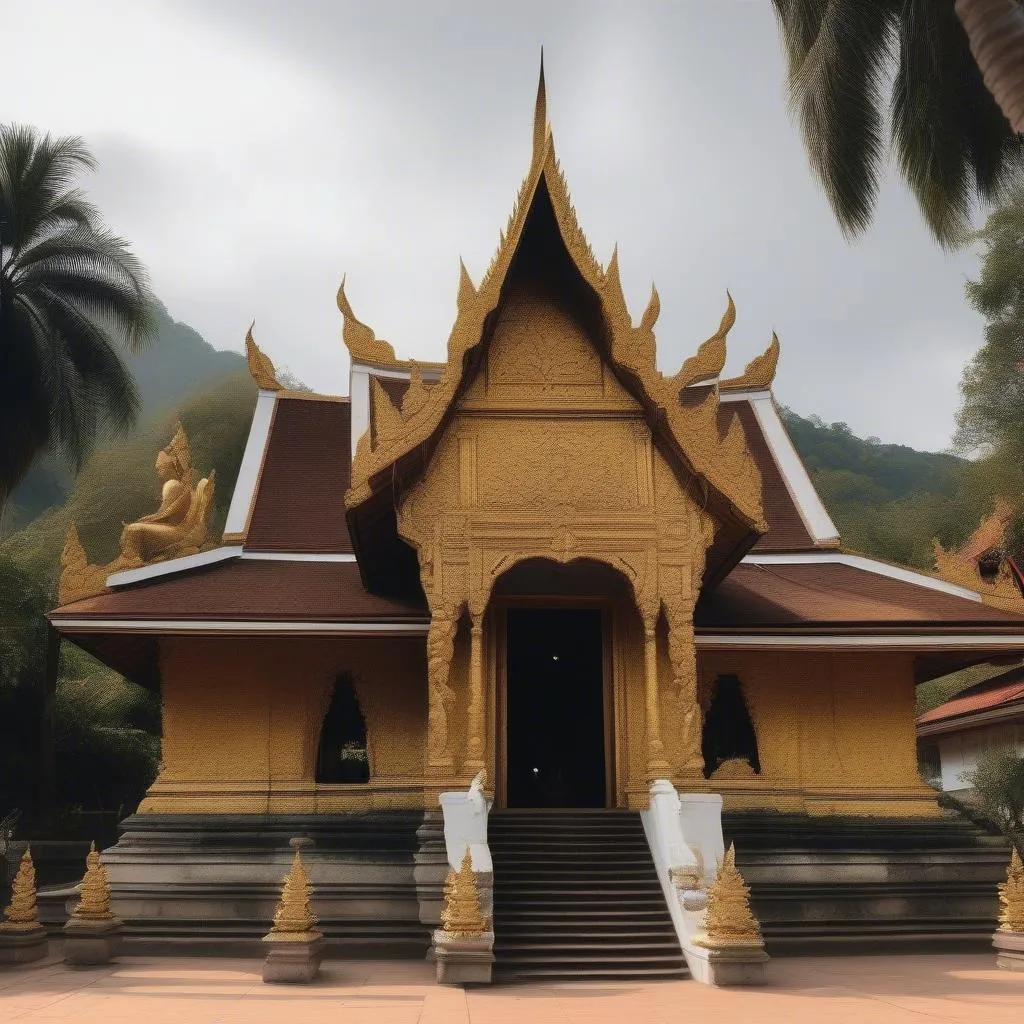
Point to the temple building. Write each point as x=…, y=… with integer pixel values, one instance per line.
x=544, y=559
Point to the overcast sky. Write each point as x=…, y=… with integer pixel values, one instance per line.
x=254, y=151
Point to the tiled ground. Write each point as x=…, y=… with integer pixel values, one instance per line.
x=859, y=989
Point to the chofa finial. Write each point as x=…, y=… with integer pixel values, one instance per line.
x=363, y=345
x=758, y=373
x=260, y=366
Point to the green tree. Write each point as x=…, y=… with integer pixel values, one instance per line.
x=70, y=294
x=998, y=781
x=990, y=423
x=951, y=142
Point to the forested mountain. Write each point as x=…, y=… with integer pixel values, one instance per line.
x=888, y=500
x=177, y=364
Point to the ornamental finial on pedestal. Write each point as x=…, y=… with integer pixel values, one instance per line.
x=1011, y=896
x=22, y=914
x=94, y=904
x=729, y=921
x=461, y=916
x=294, y=913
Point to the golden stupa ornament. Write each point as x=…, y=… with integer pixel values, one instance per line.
x=294, y=918
x=461, y=917
x=94, y=904
x=1011, y=896
x=729, y=920
x=22, y=914
x=260, y=365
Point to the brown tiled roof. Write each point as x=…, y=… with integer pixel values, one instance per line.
x=786, y=529
x=249, y=589
x=300, y=498
x=1004, y=689
x=831, y=594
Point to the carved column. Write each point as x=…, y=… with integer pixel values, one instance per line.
x=475, y=723
x=440, y=647
x=682, y=653
x=657, y=766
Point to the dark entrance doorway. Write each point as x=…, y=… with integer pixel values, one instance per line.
x=554, y=708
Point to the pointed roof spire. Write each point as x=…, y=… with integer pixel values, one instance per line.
x=540, y=112
x=260, y=366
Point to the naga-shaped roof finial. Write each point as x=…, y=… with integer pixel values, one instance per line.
x=363, y=345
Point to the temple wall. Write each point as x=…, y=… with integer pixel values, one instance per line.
x=835, y=733
x=241, y=724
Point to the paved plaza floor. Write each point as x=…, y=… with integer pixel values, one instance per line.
x=163, y=990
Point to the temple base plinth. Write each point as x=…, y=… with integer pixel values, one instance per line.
x=91, y=943
x=463, y=960
x=293, y=960
x=23, y=946
x=1009, y=948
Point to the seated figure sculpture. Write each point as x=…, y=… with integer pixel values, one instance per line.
x=180, y=526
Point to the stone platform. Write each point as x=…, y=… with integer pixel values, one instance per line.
x=185, y=884
x=848, y=884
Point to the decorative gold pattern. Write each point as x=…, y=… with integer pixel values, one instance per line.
x=22, y=914
x=94, y=904
x=294, y=918
x=759, y=372
x=694, y=433
x=461, y=917
x=179, y=527
x=729, y=922
x=260, y=366
x=1011, y=896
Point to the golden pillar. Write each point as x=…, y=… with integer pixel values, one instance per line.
x=440, y=647
x=657, y=766
x=682, y=652
x=475, y=730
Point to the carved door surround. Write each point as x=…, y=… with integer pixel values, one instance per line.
x=462, y=554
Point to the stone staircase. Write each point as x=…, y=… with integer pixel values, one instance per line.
x=823, y=884
x=576, y=895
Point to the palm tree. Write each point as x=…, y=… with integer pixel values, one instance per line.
x=70, y=293
x=952, y=143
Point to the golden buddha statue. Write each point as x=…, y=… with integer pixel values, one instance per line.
x=178, y=526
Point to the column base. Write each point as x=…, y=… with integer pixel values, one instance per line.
x=293, y=961
x=90, y=943
x=463, y=961
x=23, y=947
x=1009, y=948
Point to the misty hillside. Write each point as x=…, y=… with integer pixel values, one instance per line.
x=178, y=363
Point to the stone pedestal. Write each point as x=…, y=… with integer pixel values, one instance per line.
x=291, y=961
x=23, y=946
x=464, y=961
x=1009, y=950
x=91, y=942
x=728, y=965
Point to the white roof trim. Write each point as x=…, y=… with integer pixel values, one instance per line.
x=252, y=460
x=173, y=565
x=428, y=372
x=297, y=556
x=741, y=396
x=813, y=513
x=895, y=572
x=857, y=642
x=169, y=627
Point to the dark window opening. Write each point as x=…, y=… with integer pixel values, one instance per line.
x=342, y=756
x=728, y=730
